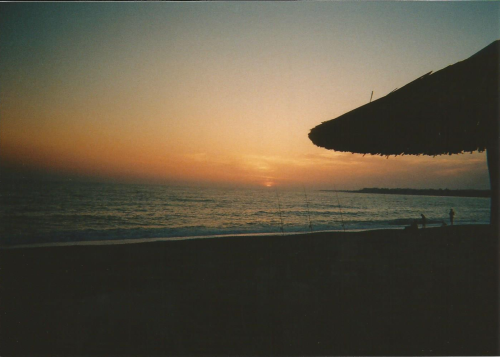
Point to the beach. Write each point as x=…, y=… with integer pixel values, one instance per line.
x=382, y=292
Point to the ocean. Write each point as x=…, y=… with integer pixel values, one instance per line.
x=54, y=212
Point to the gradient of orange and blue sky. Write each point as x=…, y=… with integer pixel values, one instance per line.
x=223, y=93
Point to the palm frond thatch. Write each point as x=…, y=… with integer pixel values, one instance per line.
x=447, y=112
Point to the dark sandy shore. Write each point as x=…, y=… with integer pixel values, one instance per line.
x=391, y=292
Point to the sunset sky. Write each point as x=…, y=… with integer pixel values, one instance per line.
x=223, y=93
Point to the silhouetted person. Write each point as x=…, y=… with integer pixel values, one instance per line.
x=424, y=221
x=452, y=215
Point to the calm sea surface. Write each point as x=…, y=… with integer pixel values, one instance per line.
x=49, y=212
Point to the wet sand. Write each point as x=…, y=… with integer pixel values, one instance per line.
x=386, y=292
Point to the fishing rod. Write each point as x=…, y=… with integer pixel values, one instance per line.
x=279, y=209
x=340, y=208
x=308, y=212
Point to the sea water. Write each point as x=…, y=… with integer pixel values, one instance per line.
x=49, y=212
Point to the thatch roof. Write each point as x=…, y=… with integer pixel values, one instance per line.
x=450, y=111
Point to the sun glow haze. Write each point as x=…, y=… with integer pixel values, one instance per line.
x=223, y=93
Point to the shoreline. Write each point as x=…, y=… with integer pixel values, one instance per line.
x=215, y=236
x=173, y=239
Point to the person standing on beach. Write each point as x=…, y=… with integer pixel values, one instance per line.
x=452, y=215
x=424, y=221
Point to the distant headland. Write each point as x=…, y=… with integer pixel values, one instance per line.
x=421, y=192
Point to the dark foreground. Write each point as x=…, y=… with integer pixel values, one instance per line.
x=430, y=292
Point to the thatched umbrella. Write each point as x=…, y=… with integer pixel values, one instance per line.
x=451, y=111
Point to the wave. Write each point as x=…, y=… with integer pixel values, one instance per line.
x=249, y=228
x=185, y=199
x=116, y=212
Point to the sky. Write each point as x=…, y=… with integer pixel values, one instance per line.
x=223, y=93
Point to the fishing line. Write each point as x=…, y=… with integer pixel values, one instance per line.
x=279, y=209
x=340, y=208
x=308, y=212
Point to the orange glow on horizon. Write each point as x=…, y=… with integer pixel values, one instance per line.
x=207, y=96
